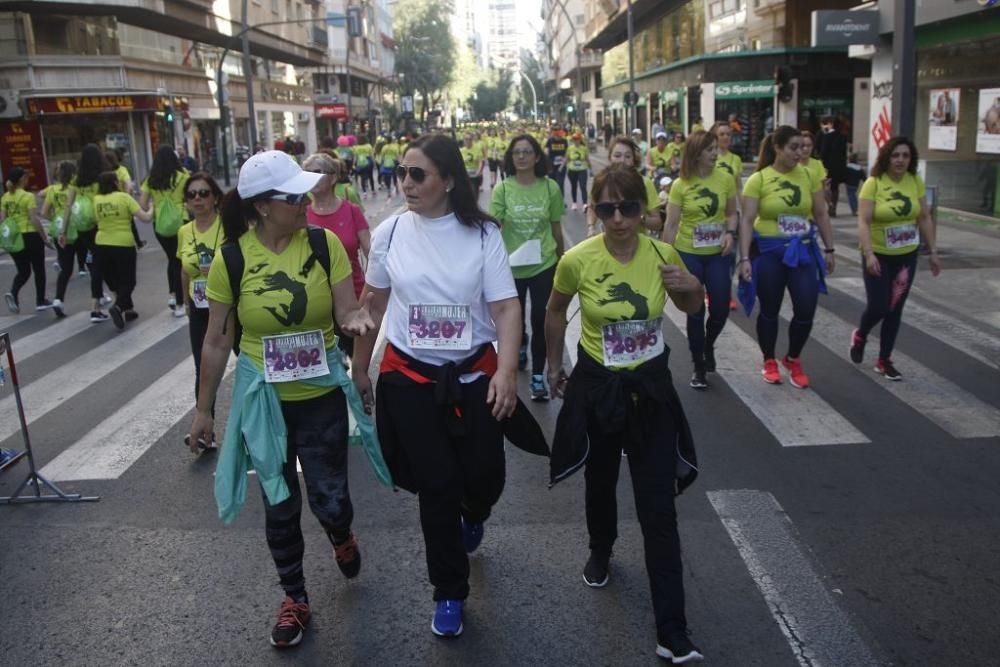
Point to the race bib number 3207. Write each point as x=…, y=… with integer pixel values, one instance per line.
x=440, y=327
x=632, y=341
x=297, y=356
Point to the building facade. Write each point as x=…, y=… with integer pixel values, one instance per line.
x=573, y=69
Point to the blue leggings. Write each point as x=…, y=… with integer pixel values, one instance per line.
x=802, y=282
x=714, y=273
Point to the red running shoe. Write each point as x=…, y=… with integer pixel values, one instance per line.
x=795, y=374
x=770, y=372
x=293, y=617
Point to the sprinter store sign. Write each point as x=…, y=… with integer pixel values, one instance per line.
x=744, y=90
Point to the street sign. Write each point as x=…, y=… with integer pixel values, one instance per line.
x=406, y=103
x=844, y=27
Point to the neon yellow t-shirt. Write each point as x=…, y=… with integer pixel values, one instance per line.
x=703, y=211
x=123, y=176
x=472, y=159
x=56, y=196
x=732, y=163
x=897, y=205
x=193, y=245
x=362, y=156
x=275, y=298
x=780, y=194
x=175, y=191
x=660, y=159
x=576, y=157
x=611, y=291
x=816, y=169
x=482, y=147
x=389, y=156
x=114, y=213
x=18, y=205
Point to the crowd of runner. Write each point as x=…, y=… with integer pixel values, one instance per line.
x=284, y=272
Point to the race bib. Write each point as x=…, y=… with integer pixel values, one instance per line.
x=529, y=254
x=793, y=225
x=472, y=172
x=578, y=165
x=199, y=297
x=707, y=235
x=297, y=356
x=902, y=236
x=632, y=341
x=440, y=327
x=558, y=160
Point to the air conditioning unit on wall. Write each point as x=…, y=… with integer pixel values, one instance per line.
x=8, y=104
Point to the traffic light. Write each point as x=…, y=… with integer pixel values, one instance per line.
x=569, y=108
x=783, y=83
x=169, y=113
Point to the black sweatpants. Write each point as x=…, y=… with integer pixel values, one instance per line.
x=30, y=260
x=540, y=287
x=893, y=285
x=66, y=255
x=169, y=245
x=197, y=328
x=455, y=476
x=653, y=475
x=118, y=264
x=317, y=438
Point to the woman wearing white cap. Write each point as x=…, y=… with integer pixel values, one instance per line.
x=286, y=404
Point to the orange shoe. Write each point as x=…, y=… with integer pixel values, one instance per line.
x=770, y=372
x=796, y=376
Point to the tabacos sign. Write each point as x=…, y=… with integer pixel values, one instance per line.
x=744, y=90
x=95, y=104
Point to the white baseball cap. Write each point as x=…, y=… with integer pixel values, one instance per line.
x=274, y=171
x=636, y=131
x=661, y=135
x=665, y=181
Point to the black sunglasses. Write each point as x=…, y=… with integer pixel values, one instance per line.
x=195, y=194
x=291, y=200
x=416, y=173
x=629, y=208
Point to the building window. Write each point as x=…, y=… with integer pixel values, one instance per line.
x=274, y=6
x=586, y=83
x=597, y=84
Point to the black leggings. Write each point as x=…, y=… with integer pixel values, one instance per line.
x=66, y=256
x=367, y=178
x=882, y=291
x=117, y=263
x=85, y=246
x=578, y=177
x=169, y=245
x=317, y=438
x=30, y=259
x=540, y=287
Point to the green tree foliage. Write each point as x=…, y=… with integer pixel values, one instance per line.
x=492, y=96
x=424, y=50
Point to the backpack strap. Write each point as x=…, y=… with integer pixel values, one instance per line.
x=232, y=257
x=320, y=250
x=392, y=233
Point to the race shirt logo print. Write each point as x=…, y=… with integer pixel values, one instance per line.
x=795, y=198
x=292, y=313
x=905, y=204
x=711, y=209
x=623, y=293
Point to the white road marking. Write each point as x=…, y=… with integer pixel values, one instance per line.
x=111, y=447
x=976, y=343
x=47, y=393
x=7, y=321
x=50, y=336
x=795, y=417
x=942, y=401
x=573, y=329
x=818, y=631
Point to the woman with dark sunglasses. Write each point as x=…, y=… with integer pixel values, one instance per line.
x=439, y=277
x=702, y=226
x=783, y=207
x=623, y=150
x=289, y=404
x=197, y=243
x=529, y=205
x=620, y=394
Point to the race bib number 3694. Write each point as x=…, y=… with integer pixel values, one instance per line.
x=632, y=341
x=440, y=327
x=297, y=356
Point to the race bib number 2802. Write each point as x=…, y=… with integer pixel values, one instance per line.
x=440, y=327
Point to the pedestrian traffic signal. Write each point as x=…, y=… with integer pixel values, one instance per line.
x=569, y=108
x=169, y=113
x=783, y=83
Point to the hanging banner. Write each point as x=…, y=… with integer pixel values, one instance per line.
x=880, y=111
x=943, y=133
x=988, y=130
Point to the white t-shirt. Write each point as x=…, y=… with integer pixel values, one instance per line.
x=439, y=261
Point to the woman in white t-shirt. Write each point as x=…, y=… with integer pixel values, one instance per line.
x=440, y=279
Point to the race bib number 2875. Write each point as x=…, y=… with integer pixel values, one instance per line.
x=632, y=341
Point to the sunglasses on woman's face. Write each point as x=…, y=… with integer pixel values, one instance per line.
x=191, y=195
x=416, y=173
x=291, y=200
x=629, y=208
x=318, y=171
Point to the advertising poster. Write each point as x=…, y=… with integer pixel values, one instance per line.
x=943, y=133
x=988, y=121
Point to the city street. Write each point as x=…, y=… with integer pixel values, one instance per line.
x=853, y=523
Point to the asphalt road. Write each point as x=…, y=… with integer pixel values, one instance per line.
x=852, y=523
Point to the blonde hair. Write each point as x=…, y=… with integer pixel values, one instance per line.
x=327, y=162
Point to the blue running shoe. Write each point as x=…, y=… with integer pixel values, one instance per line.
x=447, y=618
x=7, y=455
x=472, y=535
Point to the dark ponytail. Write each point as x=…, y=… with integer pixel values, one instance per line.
x=235, y=213
x=772, y=142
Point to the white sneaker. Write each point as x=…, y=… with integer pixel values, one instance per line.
x=104, y=300
x=57, y=307
x=179, y=311
x=171, y=302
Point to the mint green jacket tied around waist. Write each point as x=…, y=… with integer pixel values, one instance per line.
x=256, y=437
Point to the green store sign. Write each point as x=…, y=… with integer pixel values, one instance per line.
x=826, y=103
x=744, y=90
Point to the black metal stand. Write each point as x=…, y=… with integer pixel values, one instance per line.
x=33, y=478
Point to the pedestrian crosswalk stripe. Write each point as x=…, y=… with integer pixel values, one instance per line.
x=794, y=417
x=942, y=401
x=968, y=340
x=111, y=447
x=46, y=339
x=46, y=393
x=818, y=631
x=8, y=321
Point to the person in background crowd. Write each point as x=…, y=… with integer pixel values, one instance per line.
x=702, y=227
x=699, y=125
x=832, y=150
x=812, y=165
x=165, y=189
x=127, y=186
x=608, y=132
x=676, y=152
x=659, y=157
x=625, y=151
x=578, y=165
x=387, y=159
x=474, y=161
x=855, y=177
x=21, y=207
x=555, y=150
x=643, y=150
x=657, y=127
x=55, y=203
x=529, y=207
x=620, y=395
x=727, y=159
x=780, y=202
x=893, y=216
x=364, y=166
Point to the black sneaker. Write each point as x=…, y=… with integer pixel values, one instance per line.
x=698, y=380
x=595, y=572
x=348, y=557
x=293, y=617
x=885, y=367
x=857, y=350
x=709, y=359
x=130, y=315
x=678, y=648
x=97, y=317
x=116, y=317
